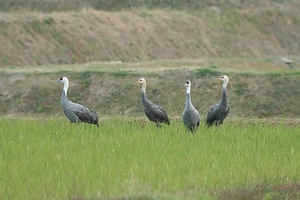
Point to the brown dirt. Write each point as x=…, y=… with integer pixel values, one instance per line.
x=291, y=192
x=32, y=38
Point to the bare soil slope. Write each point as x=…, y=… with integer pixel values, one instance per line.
x=34, y=38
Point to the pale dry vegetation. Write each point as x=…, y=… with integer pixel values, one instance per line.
x=86, y=35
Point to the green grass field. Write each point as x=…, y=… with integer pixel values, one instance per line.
x=127, y=158
x=103, y=47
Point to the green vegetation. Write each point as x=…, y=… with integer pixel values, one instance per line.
x=103, y=47
x=202, y=72
x=129, y=158
x=121, y=73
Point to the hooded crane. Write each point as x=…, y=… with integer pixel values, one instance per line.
x=154, y=112
x=76, y=113
x=220, y=111
x=190, y=115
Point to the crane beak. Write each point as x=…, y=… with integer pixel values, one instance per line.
x=218, y=78
x=136, y=82
x=185, y=85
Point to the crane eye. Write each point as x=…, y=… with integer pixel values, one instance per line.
x=61, y=79
x=222, y=77
x=187, y=82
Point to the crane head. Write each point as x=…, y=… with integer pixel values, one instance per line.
x=187, y=83
x=63, y=79
x=140, y=81
x=224, y=79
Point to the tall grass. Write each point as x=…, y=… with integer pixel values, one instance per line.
x=128, y=158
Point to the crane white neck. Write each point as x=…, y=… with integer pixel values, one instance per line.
x=224, y=95
x=188, y=99
x=224, y=85
x=188, y=90
x=144, y=88
x=66, y=86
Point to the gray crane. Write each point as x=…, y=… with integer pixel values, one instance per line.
x=288, y=62
x=76, y=113
x=154, y=112
x=220, y=111
x=190, y=115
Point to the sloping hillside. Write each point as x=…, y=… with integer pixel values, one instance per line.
x=35, y=38
x=109, y=88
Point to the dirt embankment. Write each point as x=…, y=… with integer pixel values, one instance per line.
x=88, y=35
x=112, y=93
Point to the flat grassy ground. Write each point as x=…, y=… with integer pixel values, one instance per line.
x=127, y=158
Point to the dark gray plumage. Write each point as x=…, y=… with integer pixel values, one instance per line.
x=190, y=115
x=76, y=113
x=220, y=111
x=154, y=112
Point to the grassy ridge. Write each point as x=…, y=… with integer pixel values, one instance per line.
x=126, y=158
x=75, y=5
x=256, y=88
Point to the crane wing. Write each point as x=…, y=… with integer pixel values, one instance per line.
x=82, y=113
x=227, y=112
x=160, y=111
x=156, y=113
x=211, y=114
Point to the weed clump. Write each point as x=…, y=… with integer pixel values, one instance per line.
x=203, y=72
x=120, y=73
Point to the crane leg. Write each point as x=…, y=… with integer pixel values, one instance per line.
x=158, y=125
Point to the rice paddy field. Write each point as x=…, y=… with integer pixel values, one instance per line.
x=103, y=47
x=129, y=158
